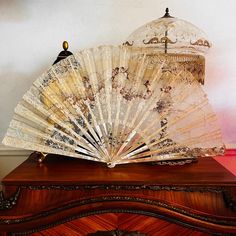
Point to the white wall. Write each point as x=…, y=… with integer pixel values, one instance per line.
x=31, y=33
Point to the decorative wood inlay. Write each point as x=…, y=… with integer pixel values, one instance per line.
x=122, y=224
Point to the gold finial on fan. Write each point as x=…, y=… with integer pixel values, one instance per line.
x=65, y=45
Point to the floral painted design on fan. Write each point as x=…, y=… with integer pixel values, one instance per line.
x=116, y=107
x=120, y=77
x=163, y=105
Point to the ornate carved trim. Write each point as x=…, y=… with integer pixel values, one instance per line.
x=228, y=199
x=157, y=203
x=140, y=212
x=6, y=204
x=127, y=187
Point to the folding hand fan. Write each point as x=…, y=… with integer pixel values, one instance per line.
x=108, y=104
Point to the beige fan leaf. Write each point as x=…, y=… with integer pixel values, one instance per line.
x=109, y=104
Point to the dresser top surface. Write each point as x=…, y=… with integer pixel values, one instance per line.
x=70, y=171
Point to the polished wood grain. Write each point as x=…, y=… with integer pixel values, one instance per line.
x=198, y=198
x=124, y=222
x=66, y=170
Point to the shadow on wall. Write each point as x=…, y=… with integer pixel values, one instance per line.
x=13, y=86
x=13, y=11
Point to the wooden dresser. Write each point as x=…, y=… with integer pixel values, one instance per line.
x=66, y=196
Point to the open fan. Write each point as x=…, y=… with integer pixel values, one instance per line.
x=109, y=104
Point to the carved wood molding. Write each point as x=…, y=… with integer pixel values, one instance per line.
x=103, y=199
x=156, y=206
x=6, y=204
x=227, y=197
x=127, y=187
x=129, y=211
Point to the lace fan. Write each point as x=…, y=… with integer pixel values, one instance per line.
x=109, y=104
